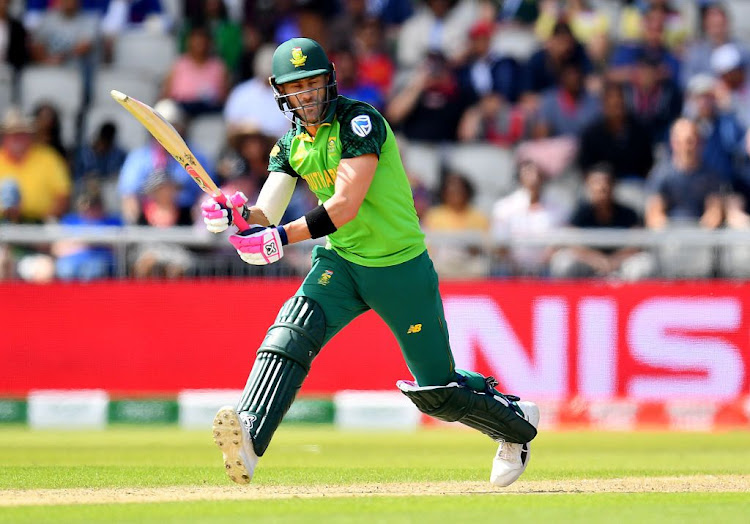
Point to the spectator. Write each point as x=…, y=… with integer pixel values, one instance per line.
x=198, y=81
x=482, y=73
x=456, y=214
x=716, y=33
x=526, y=212
x=226, y=33
x=252, y=101
x=543, y=70
x=161, y=209
x=720, y=132
x=601, y=210
x=616, y=138
x=732, y=90
x=495, y=120
x=429, y=107
x=684, y=189
x=735, y=259
x=103, y=159
x=142, y=162
x=344, y=24
x=626, y=55
x=77, y=260
x=14, y=46
x=350, y=83
x=42, y=176
x=65, y=35
x=567, y=110
x=654, y=100
x=48, y=128
x=375, y=65
x=586, y=22
x=677, y=23
x=437, y=26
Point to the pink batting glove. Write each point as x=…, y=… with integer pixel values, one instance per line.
x=259, y=245
x=217, y=217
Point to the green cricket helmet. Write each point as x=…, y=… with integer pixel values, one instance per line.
x=300, y=58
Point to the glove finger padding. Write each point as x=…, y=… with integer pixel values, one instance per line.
x=216, y=217
x=259, y=245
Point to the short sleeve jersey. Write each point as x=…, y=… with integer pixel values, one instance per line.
x=386, y=230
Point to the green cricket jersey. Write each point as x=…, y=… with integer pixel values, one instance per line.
x=386, y=230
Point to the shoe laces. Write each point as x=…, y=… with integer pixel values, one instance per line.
x=509, y=450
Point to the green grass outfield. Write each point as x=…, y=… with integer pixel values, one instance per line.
x=315, y=474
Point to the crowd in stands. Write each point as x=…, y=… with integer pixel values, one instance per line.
x=614, y=114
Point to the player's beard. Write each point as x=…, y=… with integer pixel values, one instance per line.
x=312, y=112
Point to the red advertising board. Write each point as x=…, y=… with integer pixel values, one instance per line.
x=647, y=341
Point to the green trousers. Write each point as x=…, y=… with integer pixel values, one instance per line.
x=405, y=296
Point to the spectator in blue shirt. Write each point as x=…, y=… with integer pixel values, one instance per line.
x=142, y=162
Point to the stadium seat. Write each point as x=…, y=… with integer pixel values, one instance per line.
x=740, y=18
x=489, y=167
x=130, y=133
x=208, y=133
x=141, y=87
x=6, y=88
x=515, y=42
x=61, y=86
x=145, y=52
x=422, y=161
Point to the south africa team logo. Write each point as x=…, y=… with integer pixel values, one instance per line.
x=298, y=59
x=361, y=125
x=325, y=277
x=331, y=144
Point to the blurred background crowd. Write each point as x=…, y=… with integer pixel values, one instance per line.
x=515, y=119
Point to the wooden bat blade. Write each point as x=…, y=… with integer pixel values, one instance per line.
x=171, y=140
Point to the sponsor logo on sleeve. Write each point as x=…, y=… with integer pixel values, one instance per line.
x=361, y=125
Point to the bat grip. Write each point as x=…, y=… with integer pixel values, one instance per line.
x=237, y=218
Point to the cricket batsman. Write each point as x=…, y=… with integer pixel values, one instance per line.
x=375, y=258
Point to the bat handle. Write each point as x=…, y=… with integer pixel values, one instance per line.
x=237, y=218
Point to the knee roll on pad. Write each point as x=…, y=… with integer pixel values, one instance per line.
x=493, y=415
x=283, y=362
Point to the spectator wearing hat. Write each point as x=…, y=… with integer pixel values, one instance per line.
x=42, y=177
x=653, y=100
x=732, y=90
x=715, y=28
x=142, y=162
x=720, y=131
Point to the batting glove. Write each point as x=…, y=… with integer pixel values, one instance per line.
x=217, y=217
x=260, y=245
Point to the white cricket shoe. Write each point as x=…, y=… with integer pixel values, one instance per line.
x=511, y=459
x=235, y=444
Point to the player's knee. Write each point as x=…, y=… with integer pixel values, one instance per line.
x=298, y=332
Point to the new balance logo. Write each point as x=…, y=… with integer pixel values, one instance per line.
x=414, y=328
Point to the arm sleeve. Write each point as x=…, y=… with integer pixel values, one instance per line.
x=278, y=160
x=363, y=131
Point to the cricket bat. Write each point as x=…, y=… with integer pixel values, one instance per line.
x=171, y=140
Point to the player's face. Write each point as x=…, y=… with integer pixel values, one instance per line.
x=307, y=97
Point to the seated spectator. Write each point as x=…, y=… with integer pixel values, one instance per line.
x=616, y=138
x=142, y=162
x=684, y=189
x=14, y=47
x=543, y=70
x=34, y=10
x=482, y=73
x=732, y=89
x=66, y=34
x=586, y=22
x=678, y=23
x=715, y=33
x=41, y=175
x=226, y=33
x=252, y=101
x=343, y=27
x=375, y=64
x=455, y=213
x=721, y=132
x=428, y=108
x=654, y=100
x=350, y=84
x=437, y=26
x=493, y=119
x=48, y=128
x=522, y=214
x=161, y=209
x=567, y=110
x=601, y=210
x=198, y=81
x=102, y=159
x=77, y=260
x=652, y=44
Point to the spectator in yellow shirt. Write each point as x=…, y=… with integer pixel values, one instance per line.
x=41, y=174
